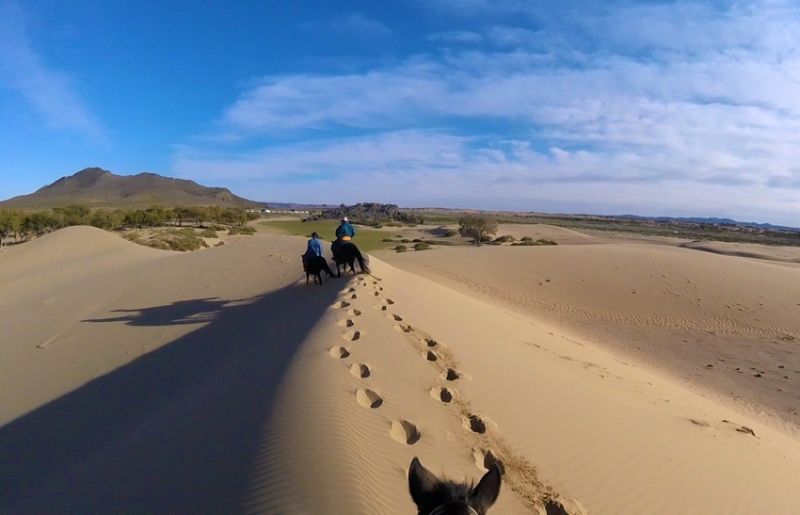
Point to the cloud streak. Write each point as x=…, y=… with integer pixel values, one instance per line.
x=456, y=36
x=51, y=93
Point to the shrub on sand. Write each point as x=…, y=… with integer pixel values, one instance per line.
x=505, y=239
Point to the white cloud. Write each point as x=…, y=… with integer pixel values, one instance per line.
x=657, y=118
x=514, y=37
x=51, y=93
x=418, y=168
x=456, y=36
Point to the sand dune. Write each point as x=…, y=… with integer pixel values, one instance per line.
x=781, y=254
x=728, y=324
x=137, y=380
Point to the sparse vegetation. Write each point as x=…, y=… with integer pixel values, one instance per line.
x=181, y=241
x=528, y=242
x=449, y=233
x=401, y=248
x=477, y=227
x=504, y=239
x=422, y=246
x=24, y=225
x=247, y=231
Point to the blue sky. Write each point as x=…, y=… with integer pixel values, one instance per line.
x=653, y=108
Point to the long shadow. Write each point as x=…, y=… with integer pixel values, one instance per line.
x=182, y=312
x=174, y=431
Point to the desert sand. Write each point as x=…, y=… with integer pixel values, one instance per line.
x=144, y=381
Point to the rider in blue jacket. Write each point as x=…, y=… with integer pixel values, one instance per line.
x=344, y=232
x=314, y=247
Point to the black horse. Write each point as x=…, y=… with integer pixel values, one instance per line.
x=315, y=266
x=436, y=497
x=346, y=253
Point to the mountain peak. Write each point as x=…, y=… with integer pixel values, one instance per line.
x=97, y=187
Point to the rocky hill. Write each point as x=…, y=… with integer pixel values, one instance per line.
x=367, y=213
x=95, y=187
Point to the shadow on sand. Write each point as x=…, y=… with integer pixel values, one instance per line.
x=174, y=431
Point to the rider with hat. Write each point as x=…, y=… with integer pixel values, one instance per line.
x=344, y=232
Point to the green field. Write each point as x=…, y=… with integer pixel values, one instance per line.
x=367, y=240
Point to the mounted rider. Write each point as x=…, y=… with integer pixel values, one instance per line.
x=344, y=232
x=314, y=248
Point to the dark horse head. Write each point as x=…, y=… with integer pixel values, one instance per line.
x=436, y=497
x=346, y=253
x=314, y=266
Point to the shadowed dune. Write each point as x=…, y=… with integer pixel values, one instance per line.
x=173, y=431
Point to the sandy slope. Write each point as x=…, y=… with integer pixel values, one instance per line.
x=218, y=382
x=676, y=308
x=769, y=253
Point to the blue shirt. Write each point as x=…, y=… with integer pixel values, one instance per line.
x=314, y=248
x=345, y=229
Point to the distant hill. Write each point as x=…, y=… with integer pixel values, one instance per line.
x=711, y=221
x=296, y=206
x=95, y=187
x=367, y=212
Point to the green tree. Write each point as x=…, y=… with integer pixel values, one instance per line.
x=200, y=214
x=39, y=223
x=10, y=223
x=135, y=218
x=477, y=227
x=181, y=214
x=73, y=215
x=154, y=215
x=105, y=219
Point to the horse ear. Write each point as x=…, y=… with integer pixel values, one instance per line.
x=485, y=494
x=421, y=482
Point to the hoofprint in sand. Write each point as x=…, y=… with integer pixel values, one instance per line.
x=363, y=397
x=267, y=396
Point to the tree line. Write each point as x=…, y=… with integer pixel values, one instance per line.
x=24, y=225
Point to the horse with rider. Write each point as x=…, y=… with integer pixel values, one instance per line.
x=345, y=253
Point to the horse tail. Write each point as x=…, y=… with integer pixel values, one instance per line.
x=361, y=261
